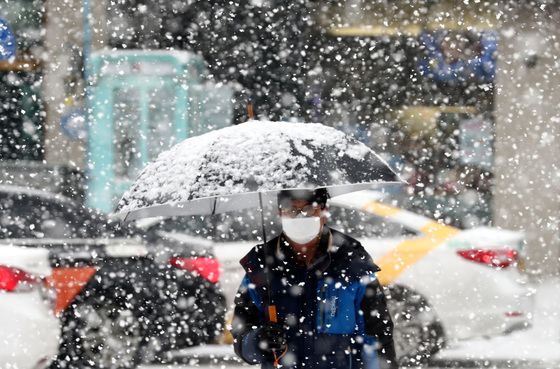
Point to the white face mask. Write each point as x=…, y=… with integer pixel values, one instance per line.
x=301, y=230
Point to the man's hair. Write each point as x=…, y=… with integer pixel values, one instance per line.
x=319, y=196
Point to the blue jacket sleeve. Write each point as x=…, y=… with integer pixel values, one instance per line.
x=247, y=319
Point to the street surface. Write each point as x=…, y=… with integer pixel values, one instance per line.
x=230, y=366
x=524, y=349
x=222, y=357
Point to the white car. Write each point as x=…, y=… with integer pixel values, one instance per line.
x=30, y=329
x=443, y=283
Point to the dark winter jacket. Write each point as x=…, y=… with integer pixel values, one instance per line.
x=334, y=311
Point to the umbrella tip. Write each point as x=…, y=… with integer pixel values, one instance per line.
x=250, y=111
x=251, y=184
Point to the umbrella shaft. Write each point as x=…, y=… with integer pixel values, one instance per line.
x=267, y=259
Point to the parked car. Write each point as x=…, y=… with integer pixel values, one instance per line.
x=123, y=295
x=30, y=328
x=443, y=283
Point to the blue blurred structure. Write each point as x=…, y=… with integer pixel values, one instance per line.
x=481, y=65
x=139, y=104
x=7, y=41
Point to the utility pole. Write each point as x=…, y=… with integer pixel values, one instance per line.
x=63, y=84
x=527, y=153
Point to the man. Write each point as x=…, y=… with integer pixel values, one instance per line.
x=330, y=309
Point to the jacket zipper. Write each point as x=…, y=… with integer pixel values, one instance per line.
x=322, y=309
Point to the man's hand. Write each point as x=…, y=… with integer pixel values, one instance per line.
x=272, y=338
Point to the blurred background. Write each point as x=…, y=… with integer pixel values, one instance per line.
x=461, y=98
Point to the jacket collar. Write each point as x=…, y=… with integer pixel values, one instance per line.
x=352, y=259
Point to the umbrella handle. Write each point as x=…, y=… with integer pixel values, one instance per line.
x=272, y=314
x=278, y=357
x=274, y=319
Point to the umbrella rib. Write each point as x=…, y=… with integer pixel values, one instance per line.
x=214, y=206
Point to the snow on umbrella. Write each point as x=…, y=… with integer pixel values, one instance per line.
x=237, y=167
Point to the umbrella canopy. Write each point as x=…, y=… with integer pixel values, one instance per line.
x=237, y=167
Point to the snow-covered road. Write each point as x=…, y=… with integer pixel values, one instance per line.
x=534, y=348
x=440, y=365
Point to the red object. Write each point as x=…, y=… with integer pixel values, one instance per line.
x=207, y=268
x=12, y=278
x=497, y=258
x=514, y=314
x=68, y=283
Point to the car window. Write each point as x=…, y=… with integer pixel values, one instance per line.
x=75, y=221
x=362, y=224
x=236, y=226
x=23, y=216
x=82, y=223
x=16, y=217
x=32, y=217
x=52, y=222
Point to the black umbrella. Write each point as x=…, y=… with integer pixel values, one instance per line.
x=245, y=166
